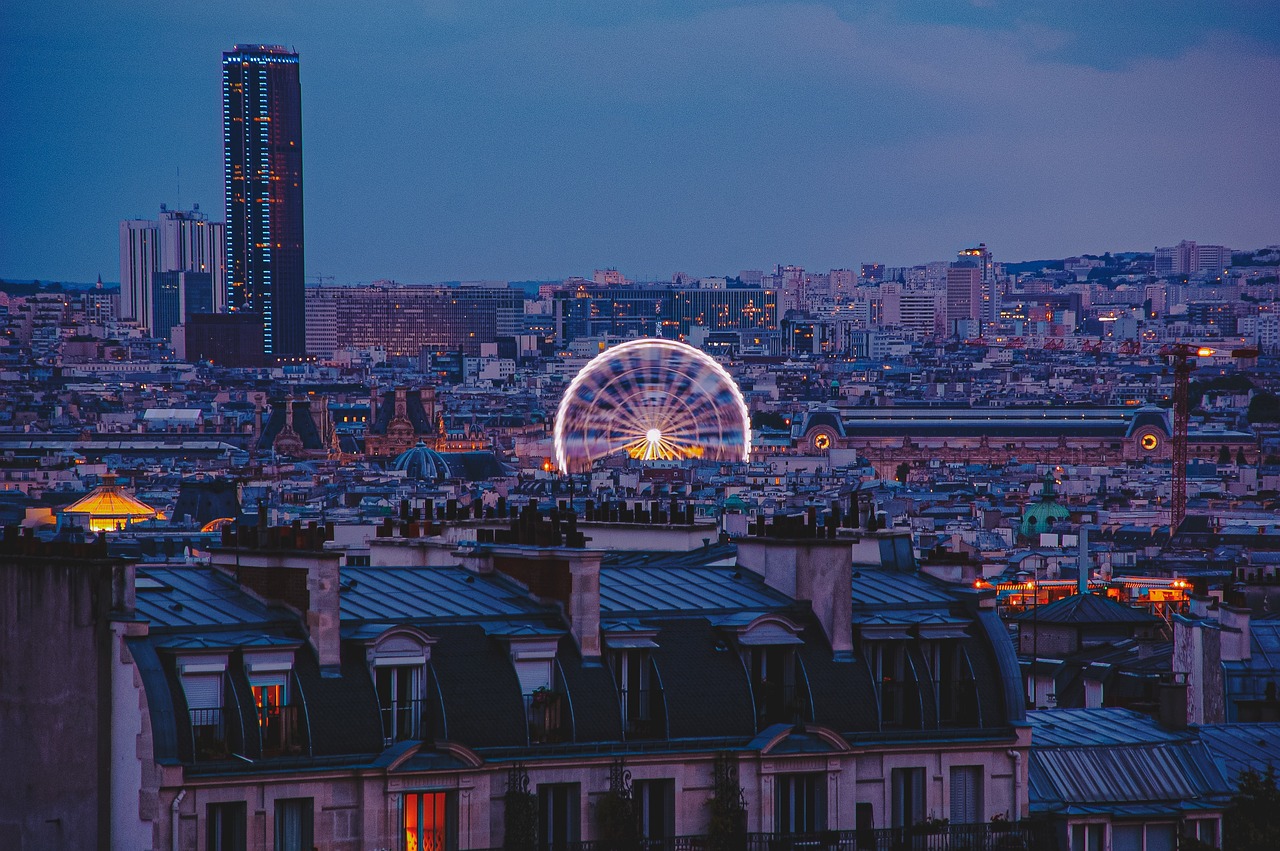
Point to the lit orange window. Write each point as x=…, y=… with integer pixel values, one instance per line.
x=426, y=822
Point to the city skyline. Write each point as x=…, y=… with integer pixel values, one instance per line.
x=450, y=144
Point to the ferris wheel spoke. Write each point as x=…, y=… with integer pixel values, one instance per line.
x=655, y=400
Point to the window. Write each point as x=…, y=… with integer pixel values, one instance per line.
x=957, y=692
x=294, y=824
x=1204, y=829
x=225, y=827
x=966, y=794
x=429, y=822
x=1088, y=837
x=637, y=697
x=204, y=709
x=801, y=805
x=558, y=815
x=895, y=675
x=908, y=796
x=655, y=805
x=400, y=700
x=865, y=825
x=277, y=720
x=773, y=680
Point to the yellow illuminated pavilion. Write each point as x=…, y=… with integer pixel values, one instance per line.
x=110, y=508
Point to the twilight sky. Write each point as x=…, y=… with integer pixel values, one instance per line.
x=469, y=139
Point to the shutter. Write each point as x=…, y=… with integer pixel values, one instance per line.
x=964, y=795
x=1126, y=837
x=204, y=691
x=534, y=674
x=267, y=680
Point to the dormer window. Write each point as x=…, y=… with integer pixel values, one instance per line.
x=279, y=724
x=541, y=688
x=639, y=688
x=767, y=646
x=398, y=659
x=202, y=686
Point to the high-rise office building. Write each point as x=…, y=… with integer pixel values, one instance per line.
x=139, y=262
x=262, y=163
x=964, y=298
x=988, y=307
x=171, y=268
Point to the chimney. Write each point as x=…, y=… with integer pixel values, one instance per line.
x=291, y=566
x=373, y=407
x=818, y=570
x=1236, y=643
x=584, y=602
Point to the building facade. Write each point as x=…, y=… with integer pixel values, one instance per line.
x=403, y=319
x=274, y=699
x=182, y=245
x=262, y=138
x=662, y=312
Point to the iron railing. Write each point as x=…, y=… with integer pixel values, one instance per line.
x=547, y=716
x=1024, y=836
x=281, y=730
x=208, y=734
x=404, y=720
x=641, y=713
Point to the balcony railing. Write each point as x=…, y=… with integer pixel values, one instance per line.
x=208, y=734
x=642, y=713
x=281, y=730
x=546, y=713
x=899, y=704
x=403, y=720
x=959, y=837
x=781, y=703
x=1026, y=836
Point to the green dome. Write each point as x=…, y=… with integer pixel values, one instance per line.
x=1041, y=516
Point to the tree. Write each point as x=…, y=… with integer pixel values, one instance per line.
x=904, y=470
x=1252, y=821
x=1241, y=460
x=1224, y=455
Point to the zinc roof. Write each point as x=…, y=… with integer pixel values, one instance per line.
x=671, y=587
x=877, y=588
x=418, y=593
x=1238, y=747
x=1116, y=760
x=197, y=596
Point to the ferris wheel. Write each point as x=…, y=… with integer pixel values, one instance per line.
x=656, y=400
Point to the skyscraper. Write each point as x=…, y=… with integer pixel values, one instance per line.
x=262, y=163
x=171, y=268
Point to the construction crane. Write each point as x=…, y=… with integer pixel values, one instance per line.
x=1181, y=353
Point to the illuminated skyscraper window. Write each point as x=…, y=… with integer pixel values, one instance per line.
x=262, y=164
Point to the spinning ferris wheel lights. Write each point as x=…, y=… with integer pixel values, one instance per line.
x=655, y=400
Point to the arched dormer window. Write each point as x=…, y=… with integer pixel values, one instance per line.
x=767, y=646
x=398, y=663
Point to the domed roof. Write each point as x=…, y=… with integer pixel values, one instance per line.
x=1041, y=516
x=423, y=463
x=108, y=508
